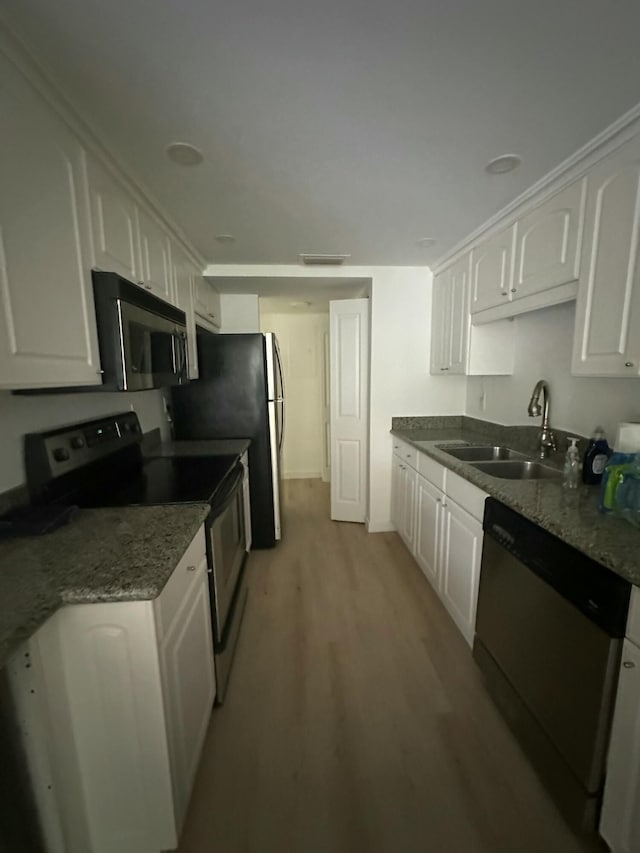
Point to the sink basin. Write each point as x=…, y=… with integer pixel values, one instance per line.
x=518, y=469
x=483, y=454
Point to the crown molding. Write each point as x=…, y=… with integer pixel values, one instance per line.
x=612, y=137
x=42, y=80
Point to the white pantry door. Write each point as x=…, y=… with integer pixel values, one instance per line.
x=349, y=368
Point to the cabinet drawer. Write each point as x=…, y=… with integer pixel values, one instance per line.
x=186, y=573
x=633, y=623
x=432, y=471
x=406, y=452
x=466, y=495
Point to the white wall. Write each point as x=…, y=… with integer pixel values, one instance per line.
x=240, y=312
x=301, y=340
x=543, y=351
x=19, y=415
x=400, y=380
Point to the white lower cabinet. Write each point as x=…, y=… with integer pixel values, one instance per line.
x=428, y=523
x=404, y=487
x=124, y=692
x=461, y=552
x=620, y=821
x=444, y=535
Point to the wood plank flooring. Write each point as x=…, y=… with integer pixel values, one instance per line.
x=356, y=720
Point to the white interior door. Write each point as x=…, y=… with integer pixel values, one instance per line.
x=326, y=409
x=349, y=370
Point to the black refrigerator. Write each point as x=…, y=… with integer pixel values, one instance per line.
x=240, y=394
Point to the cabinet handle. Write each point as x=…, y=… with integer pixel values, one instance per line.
x=99, y=372
x=147, y=287
x=191, y=568
x=628, y=364
x=504, y=292
x=513, y=290
x=629, y=664
x=141, y=283
x=444, y=368
x=438, y=500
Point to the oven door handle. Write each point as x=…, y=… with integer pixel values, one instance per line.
x=230, y=485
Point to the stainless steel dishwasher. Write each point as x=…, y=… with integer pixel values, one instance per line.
x=549, y=629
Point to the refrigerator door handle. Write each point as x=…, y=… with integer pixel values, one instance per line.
x=280, y=371
x=281, y=402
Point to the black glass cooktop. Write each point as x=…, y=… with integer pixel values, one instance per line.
x=165, y=480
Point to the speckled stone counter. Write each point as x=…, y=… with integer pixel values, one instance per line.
x=573, y=517
x=119, y=554
x=212, y=447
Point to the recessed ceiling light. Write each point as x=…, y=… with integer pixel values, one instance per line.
x=503, y=163
x=225, y=239
x=301, y=304
x=184, y=154
x=426, y=242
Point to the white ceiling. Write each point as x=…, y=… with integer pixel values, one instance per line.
x=338, y=126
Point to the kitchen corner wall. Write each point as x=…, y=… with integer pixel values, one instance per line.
x=19, y=415
x=543, y=351
x=400, y=379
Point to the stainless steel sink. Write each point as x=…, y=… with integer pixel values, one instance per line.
x=483, y=454
x=518, y=469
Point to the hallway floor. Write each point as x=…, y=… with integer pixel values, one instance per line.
x=356, y=720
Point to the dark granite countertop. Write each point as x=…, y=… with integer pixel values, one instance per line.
x=211, y=447
x=571, y=516
x=115, y=554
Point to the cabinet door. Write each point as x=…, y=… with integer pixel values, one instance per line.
x=428, y=515
x=184, y=299
x=155, y=260
x=461, y=554
x=491, y=273
x=207, y=301
x=440, y=323
x=458, y=317
x=607, y=331
x=47, y=323
x=186, y=656
x=397, y=491
x=113, y=224
x=246, y=494
x=548, y=242
x=620, y=822
x=408, y=520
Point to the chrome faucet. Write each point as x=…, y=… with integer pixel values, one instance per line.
x=547, y=440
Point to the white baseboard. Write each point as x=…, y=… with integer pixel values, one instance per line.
x=380, y=527
x=296, y=475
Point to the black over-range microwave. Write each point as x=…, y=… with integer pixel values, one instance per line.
x=142, y=339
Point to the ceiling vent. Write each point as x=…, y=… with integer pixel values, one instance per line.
x=323, y=260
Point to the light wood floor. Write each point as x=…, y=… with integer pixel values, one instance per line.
x=356, y=720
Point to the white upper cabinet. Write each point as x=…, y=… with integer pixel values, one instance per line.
x=457, y=347
x=548, y=242
x=607, y=331
x=155, y=259
x=491, y=273
x=113, y=224
x=47, y=324
x=207, y=302
x=183, y=288
x=449, y=329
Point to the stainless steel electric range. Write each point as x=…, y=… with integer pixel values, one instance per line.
x=100, y=463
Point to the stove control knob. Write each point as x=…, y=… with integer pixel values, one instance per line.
x=61, y=454
x=77, y=442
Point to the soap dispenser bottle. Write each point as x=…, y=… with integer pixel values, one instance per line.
x=572, y=465
x=596, y=458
